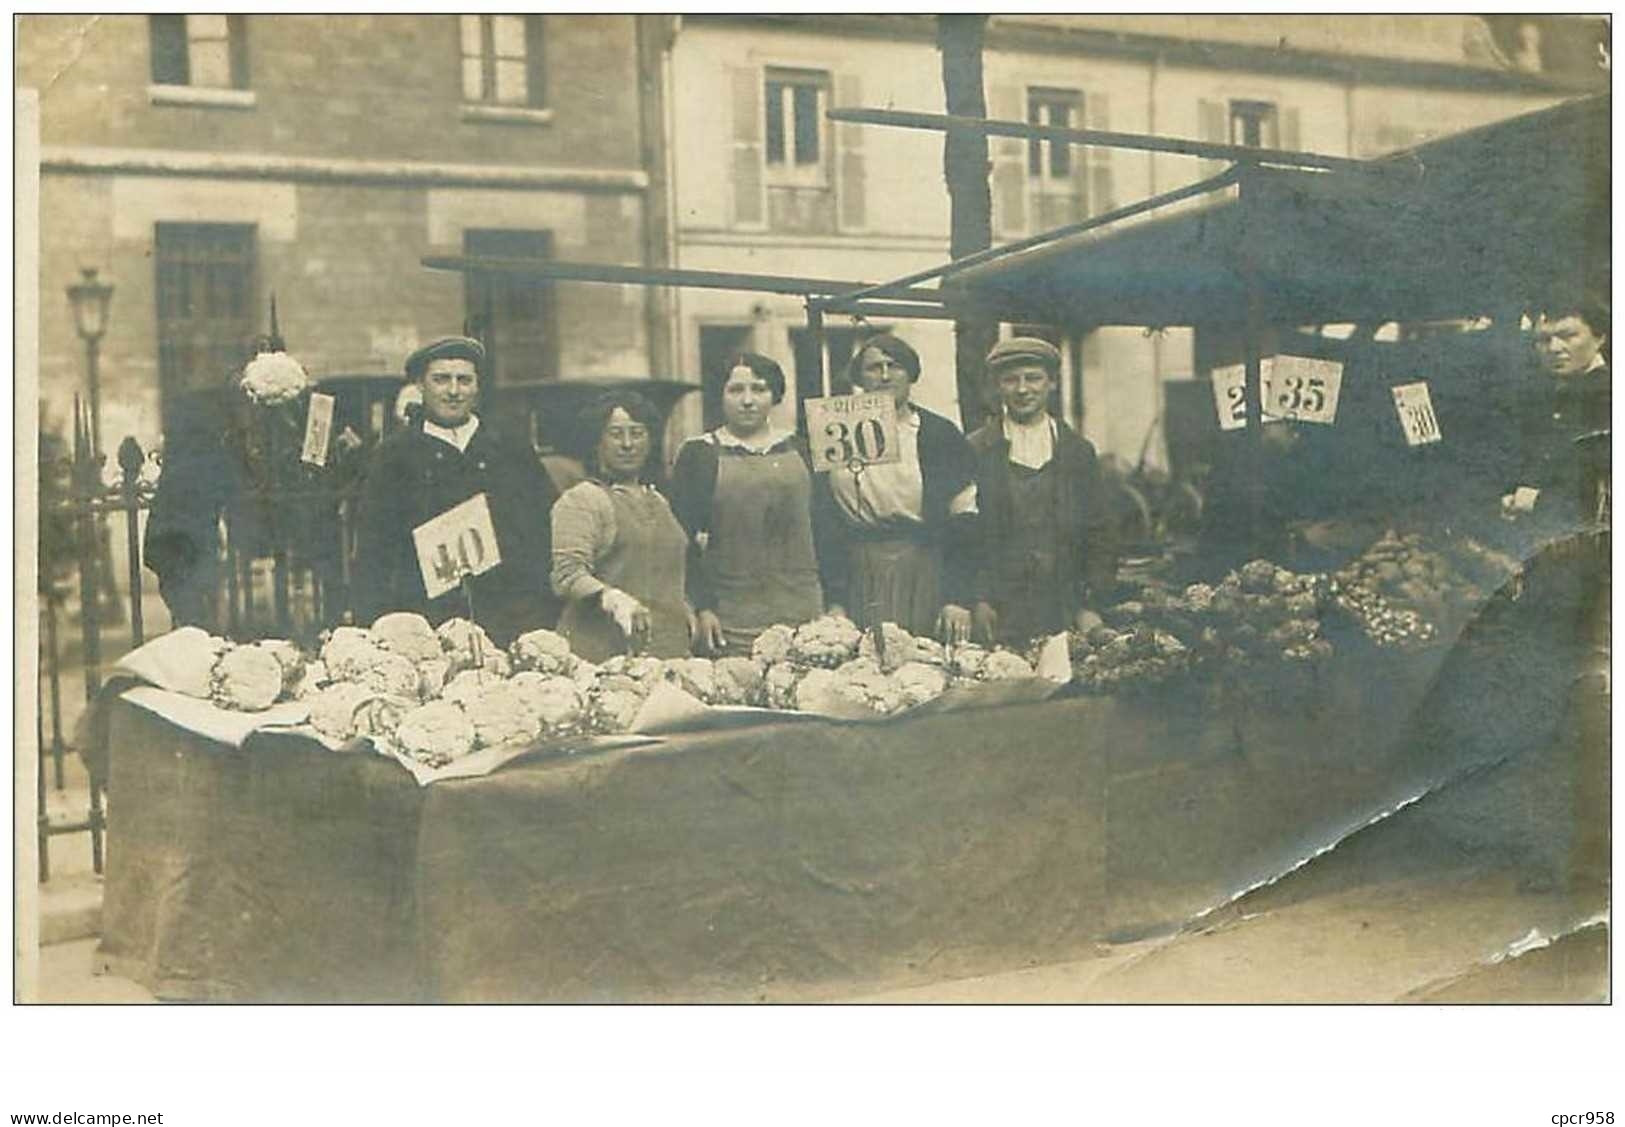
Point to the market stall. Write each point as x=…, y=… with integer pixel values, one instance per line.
x=1207, y=738
x=752, y=857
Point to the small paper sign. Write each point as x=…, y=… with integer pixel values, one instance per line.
x=460, y=541
x=1303, y=388
x=318, y=429
x=1415, y=407
x=1230, y=395
x=852, y=430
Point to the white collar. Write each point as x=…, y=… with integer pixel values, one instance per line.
x=1596, y=362
x=1031, y=444
x=457, y=436
x=770, y=437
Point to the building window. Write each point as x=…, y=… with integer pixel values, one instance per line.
x=1055, y=172
x=206, y=303
x=1254, y=124
x=796, y=145
x=514, y=316
x=502, y=60
x=206, y=51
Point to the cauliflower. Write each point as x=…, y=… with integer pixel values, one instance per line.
x=779, y=685
x=432, y=677
x=247, y=679
x=273, y=378
x=614, y=710
x=542, y=651
x=896, y=647
x=773, y=645
x=392, y=675
x=696, y=676
x=349, y=653
x=556, y=701
x=467, y=685
x=739, y=680
x=312, y=678
x=502, y=714
x=929, y=651
x=1258, y=577
x=919, y=682
x=381, y=715
x=436, y=733
x=408, y=635
x=192, y=662
x=334, y=710
x=1198, y=598
x=865, y=683
x=828, y=641
x=467, y=646
x=817, y=691
x=289, y=658
x=1002, y=665
x=966, y=661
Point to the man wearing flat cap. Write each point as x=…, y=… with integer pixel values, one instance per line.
x=1045, y=551
x=442, y=458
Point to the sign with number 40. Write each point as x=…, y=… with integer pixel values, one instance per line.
x=460, y=541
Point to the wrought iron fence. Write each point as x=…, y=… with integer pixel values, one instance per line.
x=264, y=585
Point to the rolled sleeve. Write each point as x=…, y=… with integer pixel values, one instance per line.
x=583, y=528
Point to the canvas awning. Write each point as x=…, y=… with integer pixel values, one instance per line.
x=1483, y=220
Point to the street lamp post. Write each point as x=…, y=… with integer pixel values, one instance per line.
x=90, y=299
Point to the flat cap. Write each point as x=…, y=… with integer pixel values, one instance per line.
x=1024, y=350
x=446, y=348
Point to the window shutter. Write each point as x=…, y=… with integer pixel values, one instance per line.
x=849, y=152
x=1290, y=138
x=1009, y=159
x=535, y=61
x=750, y=205
x=1102, y=189
x=1213, y=124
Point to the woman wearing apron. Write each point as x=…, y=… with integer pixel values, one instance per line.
x=618, y=552
x=744, y=492
x=903, y=533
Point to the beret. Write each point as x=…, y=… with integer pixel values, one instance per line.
x=1024, y=350
x=446, y=348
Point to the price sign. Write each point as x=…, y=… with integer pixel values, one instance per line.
x=852, y=430
x=318, y=429
x=1230, y=395
x=460, y=541
x=1415, y=407
x=1302, y=388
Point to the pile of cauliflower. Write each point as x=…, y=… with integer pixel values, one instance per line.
x=830, y=666
x=437, y=695
x=1260, y=613
x=1401, y=590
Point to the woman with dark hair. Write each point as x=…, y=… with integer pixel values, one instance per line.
x=618, y=552
x=902, y=534
x=744, y=492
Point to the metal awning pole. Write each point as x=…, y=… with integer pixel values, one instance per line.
x=815, y=330
x=1127, y=211
x=1253, y=463
x=1144, y=142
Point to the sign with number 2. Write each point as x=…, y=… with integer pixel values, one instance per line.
x=1415, y=407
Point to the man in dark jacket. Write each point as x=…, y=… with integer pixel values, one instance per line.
x=440, y=460
x=1045, y=551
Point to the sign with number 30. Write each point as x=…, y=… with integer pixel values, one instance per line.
x=852, y=430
